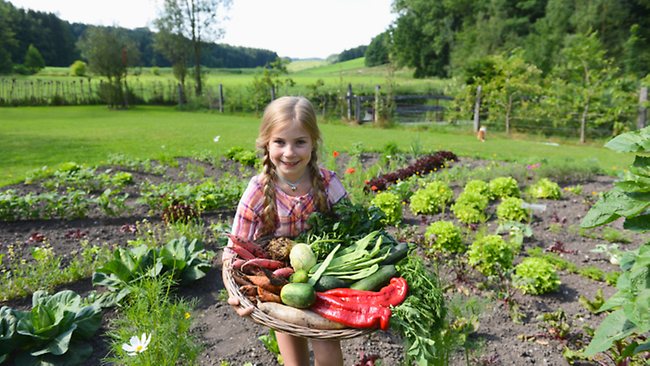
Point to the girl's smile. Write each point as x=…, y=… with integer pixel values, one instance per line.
x=290, y=150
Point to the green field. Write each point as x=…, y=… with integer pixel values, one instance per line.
x=32, y=137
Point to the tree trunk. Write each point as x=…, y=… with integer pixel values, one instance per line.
x=197, y=68
x=508, y=110
x=583, y=121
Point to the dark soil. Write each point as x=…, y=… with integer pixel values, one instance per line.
x=498, y=341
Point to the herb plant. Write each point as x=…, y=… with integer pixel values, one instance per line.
x=545, y=189
x=536, y=276
x=391, y=205
x=491, y=255
x=444, y=236
x=510, y=209
x=502, y=187
x=431, y=199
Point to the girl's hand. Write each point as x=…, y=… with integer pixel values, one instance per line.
x=241, y=311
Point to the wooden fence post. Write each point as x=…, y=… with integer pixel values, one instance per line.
x=477, y=110
x=377, y=104
x=221, y=98
x=272, y=92
x=357, y=108
x=642, y=118
x=349, y=101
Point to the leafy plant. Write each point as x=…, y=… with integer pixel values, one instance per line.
x=545, y=189
x=431, y=199
x=511, y=209
x=53, y=332
x=477, y=186
x=391, y=205
x=491, y=255
x=536, y=276
x=424, y=165
x=629, y=316
x=444, y=236
x=468, y=214
x=271, y=344
x=502, y=187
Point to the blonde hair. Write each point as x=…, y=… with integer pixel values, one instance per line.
x=281, y=113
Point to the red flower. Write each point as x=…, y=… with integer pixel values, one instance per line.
x=350, y=171
x=335, y=154
x=373, y=188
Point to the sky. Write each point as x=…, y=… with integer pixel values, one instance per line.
x=292, y=28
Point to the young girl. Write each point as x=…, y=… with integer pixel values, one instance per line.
x=278, y=201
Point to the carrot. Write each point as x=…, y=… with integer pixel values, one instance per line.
x=265, y=283
x=240, y=279
x=267, y=296
x=302, y=317
x=248, y=290
x=284, y=272
x=249, y=245
x=263, y=263
x=243, y=253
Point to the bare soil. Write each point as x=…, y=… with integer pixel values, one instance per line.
x=498, y=341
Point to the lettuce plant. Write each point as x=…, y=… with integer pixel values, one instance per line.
x=545, y=189
x=391, y=205
x=477, y=186
x=470, y=206
x=536, y=276
x=431, y=199
x=53, y=332
x=510, y=209
x=504, y=187
x=444, y=236
x=491, y=255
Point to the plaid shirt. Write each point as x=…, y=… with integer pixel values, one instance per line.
x=293, y=211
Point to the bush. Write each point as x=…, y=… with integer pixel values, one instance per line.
x=391, y=205
x=431, y=199
x=545, y=188
x=444, y=236
x=510, y=209
x=536, y=276
x=491, y=255
x=155, y=70
x=504, y=187
x=78, y=68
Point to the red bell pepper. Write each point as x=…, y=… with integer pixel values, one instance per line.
x=390, y=295
x=356, y=315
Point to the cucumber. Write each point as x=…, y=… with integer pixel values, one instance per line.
x=298, y=295
x=325, y=283
x=396, y=253
x=376, y=280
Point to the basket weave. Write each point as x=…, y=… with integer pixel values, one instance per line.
x=262, y=318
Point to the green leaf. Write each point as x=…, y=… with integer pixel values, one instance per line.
x=58, y=345
x=638, y=223
x=614, y=204
x=634, y=141
x=641, y=165
x=614, y=327
x=88, y=321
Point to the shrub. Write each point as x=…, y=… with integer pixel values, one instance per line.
x=444, y=236
x=391, y=205
x=536, y=276
x=545, y=188
x=504, y=187
x=78, y=68
x=491, y=255
x=510, y=209
x=431, y=199
x=155, y=70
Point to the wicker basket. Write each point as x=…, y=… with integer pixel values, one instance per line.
x=262, y=318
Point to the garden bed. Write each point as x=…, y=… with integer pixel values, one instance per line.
x=499, y=339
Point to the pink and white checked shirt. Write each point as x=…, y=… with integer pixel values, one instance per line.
x=293, y=212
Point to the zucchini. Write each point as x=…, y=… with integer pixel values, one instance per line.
x=376, y=280
x=325, y=283
x=396, y=253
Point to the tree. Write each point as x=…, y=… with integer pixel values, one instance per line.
x=33, y=60
x=7, y=41
x=378, y=50
x=109, y=53
x=196, y=20
x=176, y=50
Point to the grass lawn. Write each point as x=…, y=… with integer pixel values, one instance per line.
x=32, y=137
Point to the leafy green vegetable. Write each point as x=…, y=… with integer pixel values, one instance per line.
x=491, y=255
x=545, y=188
x=444, y=236
x=431, y=199
x=391, y=205
x=536, y=276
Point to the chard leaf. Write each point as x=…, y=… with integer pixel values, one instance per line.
x=638, y=223
x=614, y=327
x=635, y=141
x=614, y=204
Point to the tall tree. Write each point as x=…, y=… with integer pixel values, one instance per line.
x=7, y=40
x=109, y=53
x=196, y=20
x=33, y=60
x=176, y=50
x=378, y=50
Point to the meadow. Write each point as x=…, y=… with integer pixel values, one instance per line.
x=33, y=137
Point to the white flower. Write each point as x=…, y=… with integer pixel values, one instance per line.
x=137, y=345
x=216, y=138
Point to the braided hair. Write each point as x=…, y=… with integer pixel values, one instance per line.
x=278, y=114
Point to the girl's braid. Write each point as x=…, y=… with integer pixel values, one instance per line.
x=320, y=197
x=270, y=213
